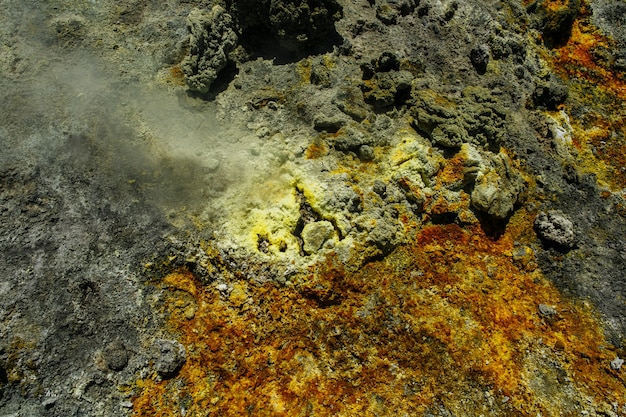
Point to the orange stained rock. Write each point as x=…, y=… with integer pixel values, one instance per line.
x=556, y=5
x=441, y=321
x=453, y=171
x=316, y=150
x=599, y=91
x=176, y=75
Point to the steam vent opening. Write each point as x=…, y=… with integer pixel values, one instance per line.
x=313, y=208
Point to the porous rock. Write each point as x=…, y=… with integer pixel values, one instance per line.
x=546, y=310
x=479, y=56
x=477, y=117
x=296, y=25
x=383, y=229
x=212, y=38
x=556, y=228
x=616, y=364
x=387, y=88
x=550, y=93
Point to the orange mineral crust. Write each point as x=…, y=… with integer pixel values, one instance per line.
x=597, y=94
x=453, y=319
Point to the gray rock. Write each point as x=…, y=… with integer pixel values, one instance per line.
x=366, y=153
x=380, y=188
x=554, y=22
x=386, y=14
x=352, y=138
x=171, y=355
x=349, y=99
x=449, y=135
x=556, y=228
x=383, y=230
x=315, y=234
x=616, y=364
x=546, y=310
x=387, y=89
x=477, y=117
x=329, y=122
x=212, y=38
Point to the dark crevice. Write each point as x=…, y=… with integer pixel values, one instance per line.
x=443, y=218
x=492, y=226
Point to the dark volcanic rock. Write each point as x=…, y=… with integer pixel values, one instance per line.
x=480, y=58
x=550, y=94
x=301, y=26
x=555, y=21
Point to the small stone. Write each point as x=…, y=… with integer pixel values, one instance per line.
x=328, y=122
x=126, y=404
x=315, y=234
x=546, y=310
x=211, y=164
x=366, y=153
x=380, y=188
x=524, y=256
x=212, y=38
x=386, y=14
x=556, y=228
x=171, y=356
x=616, y=364
x=115, y=355
x=263, y=132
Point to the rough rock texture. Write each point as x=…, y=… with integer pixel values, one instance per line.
x=297, y=25
x=554, y=20
x=312, y=207
x=212, y=39
x=171, y=355
x=555, y=228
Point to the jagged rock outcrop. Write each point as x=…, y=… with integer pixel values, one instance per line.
x=212, y=38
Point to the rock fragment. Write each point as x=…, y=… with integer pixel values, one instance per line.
x=386, y=14
x=550, y=94
x=297, y=26
x=546, y=310
x=449, y=122
x=171, y=355
x=555, y=22
x=616, y=364
x=386, y=89
x=315, y=234
x=555, y=228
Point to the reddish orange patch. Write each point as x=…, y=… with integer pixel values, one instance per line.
x=450, y=315
x=176, y=75
x=599, y=93
x=316, y=150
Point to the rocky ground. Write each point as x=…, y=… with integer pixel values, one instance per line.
x=312, y=207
